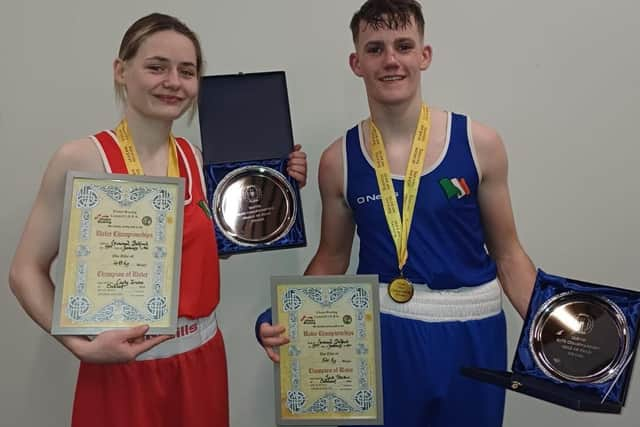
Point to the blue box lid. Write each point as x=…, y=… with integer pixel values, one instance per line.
x=244, y=117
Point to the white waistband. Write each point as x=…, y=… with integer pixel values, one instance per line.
x=190, y=334
x=468, y=303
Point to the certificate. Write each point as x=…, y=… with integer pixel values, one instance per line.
x=119, y=256
x=330, y=371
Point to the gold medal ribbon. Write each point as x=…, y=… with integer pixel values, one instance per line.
x=399, y=227
x=134, y=167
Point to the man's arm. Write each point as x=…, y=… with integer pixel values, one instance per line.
x=337, y=226
x=516, y=272
x=336, y=238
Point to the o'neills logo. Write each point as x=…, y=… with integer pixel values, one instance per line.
x=186, y=330
x=370, y=198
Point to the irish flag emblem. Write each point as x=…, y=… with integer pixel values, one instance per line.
x=455, y=187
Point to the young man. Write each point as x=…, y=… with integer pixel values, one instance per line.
x=427, y=192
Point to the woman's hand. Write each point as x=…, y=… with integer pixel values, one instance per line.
x=118, y=345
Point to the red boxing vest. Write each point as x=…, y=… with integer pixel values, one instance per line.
x=200, y=269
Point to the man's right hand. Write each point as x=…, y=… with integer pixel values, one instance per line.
x=270, y=338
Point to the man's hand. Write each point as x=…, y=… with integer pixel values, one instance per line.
x=270, y=338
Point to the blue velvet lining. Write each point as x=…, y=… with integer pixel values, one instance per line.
x=546, y=287
x=214, y=173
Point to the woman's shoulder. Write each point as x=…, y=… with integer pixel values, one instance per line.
x=197, y=151
x=78, y=154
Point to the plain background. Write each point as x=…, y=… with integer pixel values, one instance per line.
x=558, y=79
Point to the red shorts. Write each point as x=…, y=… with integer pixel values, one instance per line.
x=188, y=389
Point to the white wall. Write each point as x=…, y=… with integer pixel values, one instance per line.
x=559, y=80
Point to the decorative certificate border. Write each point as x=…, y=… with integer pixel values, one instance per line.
x=330, y=372
x=120, y=252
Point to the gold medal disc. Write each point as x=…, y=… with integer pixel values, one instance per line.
x=400, y=290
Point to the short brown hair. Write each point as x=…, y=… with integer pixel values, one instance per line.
x=391, y=14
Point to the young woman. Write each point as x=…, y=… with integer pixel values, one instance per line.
x=125, y=379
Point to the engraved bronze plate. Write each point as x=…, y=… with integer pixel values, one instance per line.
x=254, y=205
x=579, y=337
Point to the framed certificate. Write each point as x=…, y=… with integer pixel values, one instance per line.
x=330, y=372
x=119, y=256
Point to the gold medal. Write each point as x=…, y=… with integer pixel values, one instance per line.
x=400, y=290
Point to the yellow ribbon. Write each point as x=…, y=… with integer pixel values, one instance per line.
x=131, y=159
x=398, y=227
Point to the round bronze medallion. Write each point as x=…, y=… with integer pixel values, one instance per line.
x=254, y=205
x=579, y=337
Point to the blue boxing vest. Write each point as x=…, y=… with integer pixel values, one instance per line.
x=446, y=240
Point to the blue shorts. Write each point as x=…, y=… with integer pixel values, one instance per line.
x=421, y=361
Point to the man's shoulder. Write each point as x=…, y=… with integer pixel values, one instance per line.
x=335, y=149
x=333, y=152
x=478, y=129
x=484, y=135
x=492, y=156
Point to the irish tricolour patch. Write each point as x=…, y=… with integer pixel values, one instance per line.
x=455, y=187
